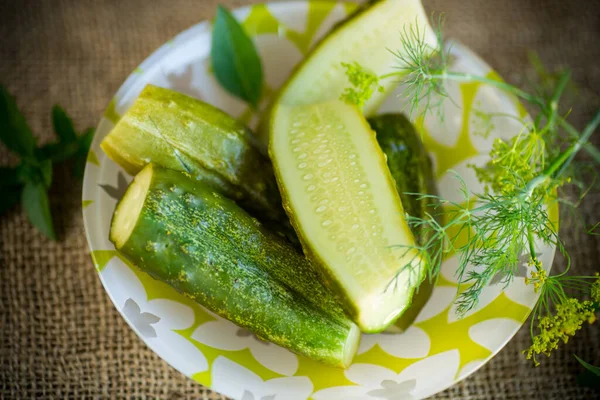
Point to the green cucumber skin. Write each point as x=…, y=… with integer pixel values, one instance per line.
x=407, y=161
x=183, y=133
x=412, y=170
x=207, y=248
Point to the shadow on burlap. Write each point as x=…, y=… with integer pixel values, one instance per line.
x=60, y=335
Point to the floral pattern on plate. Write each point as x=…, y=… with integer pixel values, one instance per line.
x=437, y=351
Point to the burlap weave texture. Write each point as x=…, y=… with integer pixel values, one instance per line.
x=60, y=337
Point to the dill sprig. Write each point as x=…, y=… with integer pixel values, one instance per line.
x=522, y=180
x=364, y=83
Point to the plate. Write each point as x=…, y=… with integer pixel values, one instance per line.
x=436, y=352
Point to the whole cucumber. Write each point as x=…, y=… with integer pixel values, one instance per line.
x=185, y=234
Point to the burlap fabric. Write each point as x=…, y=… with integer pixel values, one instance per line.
x=60, y=337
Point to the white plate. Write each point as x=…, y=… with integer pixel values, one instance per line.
x=438, y=351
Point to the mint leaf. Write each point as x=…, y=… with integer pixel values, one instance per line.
x=14, y=131
x=36, y=205
x=38, y=172
x=46, y=171
x=57, y=152
x=10, y=197
x=63, y=126
x=27, y=172
x=235, y=61
x=9, y=177
x=85, y=141
x=588, y=366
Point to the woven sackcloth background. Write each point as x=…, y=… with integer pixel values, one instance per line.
x=61, y=337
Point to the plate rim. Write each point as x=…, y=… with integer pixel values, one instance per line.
x=127, y=86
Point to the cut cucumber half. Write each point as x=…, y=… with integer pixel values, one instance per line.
x=343, y=203
x=368, y=37
x=411, y=169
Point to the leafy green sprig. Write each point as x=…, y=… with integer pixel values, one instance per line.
x=235, y=61
x=521, y=181
x=31, y=179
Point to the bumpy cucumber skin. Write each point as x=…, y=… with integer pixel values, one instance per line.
x=182, y=133
x=207, y=248
x=412, y=170
x=407, y=161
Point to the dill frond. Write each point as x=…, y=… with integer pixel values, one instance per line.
x=422, y=68
x=521, y=180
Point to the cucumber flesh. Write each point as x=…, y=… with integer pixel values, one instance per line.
x=130, y=207
x=343, y=204
x=366, y=38
x=419, y=299
x=186, y=235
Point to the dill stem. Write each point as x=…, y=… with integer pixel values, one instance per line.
x=463, y=77
x=565, y=158
x=590, y=148
x=531, y=242
x=553, y=105
x=582, y=141
x=592, y=151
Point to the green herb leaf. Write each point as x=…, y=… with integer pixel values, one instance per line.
x=85, y=141
x=39, y=172
x=58, y=152
x=28, y=173
x=235, y=61
x=36, y=205
x=588, y=366
x=14, y=131
x=46, y=172
x=9, y=177
x=63, y=126
x=10, y=197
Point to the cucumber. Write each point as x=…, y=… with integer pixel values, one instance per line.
x=343, y=204
x=183, y=233
x=183, y=133
x=412, y=171
x=365, y=37
x=407, y=161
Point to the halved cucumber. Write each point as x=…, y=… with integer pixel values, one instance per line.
x=342, y=201
x=202, y=244
x=366, y=38
x=412, y=171
x=408, y=162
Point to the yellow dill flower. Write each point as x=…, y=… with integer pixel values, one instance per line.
x=568, y=319
x=516, y=161
x=538, y=277
x=364, y=84
x=595, y=290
